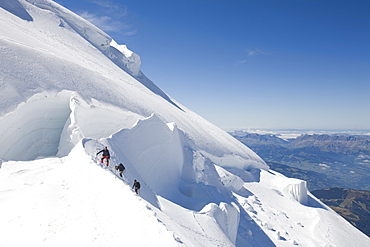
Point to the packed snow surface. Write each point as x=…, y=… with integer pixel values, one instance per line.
x=67, y=90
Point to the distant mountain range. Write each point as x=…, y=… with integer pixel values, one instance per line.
x=324, y=161
x=353, y=205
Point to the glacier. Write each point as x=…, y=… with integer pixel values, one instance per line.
x=68, y=90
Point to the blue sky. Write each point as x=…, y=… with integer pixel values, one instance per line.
x=301, y=64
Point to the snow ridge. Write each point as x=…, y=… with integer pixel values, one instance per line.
x=118, y=54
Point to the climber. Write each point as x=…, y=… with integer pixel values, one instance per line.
x=121, y=168
x=105, y=155
x=137, y=186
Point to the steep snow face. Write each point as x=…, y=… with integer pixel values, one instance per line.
x=119, y=54
x=58, y=51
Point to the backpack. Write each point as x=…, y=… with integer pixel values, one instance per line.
x=138, y=185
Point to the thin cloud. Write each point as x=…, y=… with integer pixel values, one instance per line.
x=107, y=23
x=250, y=53
x=241, y=62
x=109, y=17
x=111, y=8
x=255, y=52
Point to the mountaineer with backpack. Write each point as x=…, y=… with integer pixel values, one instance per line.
x=137, y=186
x=121, y=168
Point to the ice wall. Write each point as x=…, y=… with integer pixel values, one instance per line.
x=227, y=217
x=154, y=150
x=50, y=124
x=92, y=120
x=130, y=59
x=157, y=153
x=298, y=191
x=33, y=130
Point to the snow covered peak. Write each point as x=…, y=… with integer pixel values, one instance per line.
x=67, y=91
x=119, y=54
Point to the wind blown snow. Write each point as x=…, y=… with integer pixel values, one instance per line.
x=67, y=91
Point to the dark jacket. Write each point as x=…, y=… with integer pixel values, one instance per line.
x=136, y=185
x=121, y=167
x=105, y=152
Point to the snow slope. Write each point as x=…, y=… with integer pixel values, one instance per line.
x=67, y=89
